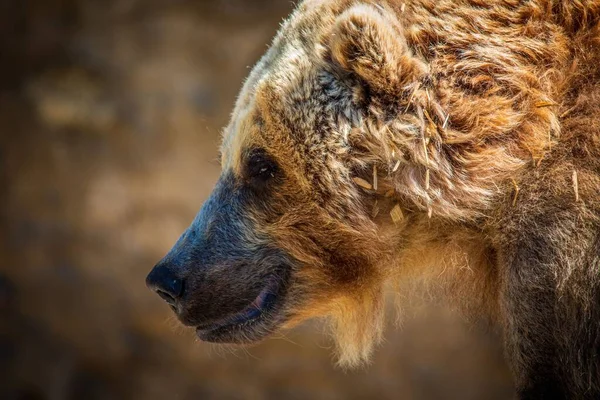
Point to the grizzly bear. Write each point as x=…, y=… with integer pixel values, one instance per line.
x=376, y=142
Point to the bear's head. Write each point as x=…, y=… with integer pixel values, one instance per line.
x=304, y=220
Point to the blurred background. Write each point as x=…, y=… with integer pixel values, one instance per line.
x=110, y=113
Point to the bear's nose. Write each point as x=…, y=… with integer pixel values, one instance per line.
x=164, y=282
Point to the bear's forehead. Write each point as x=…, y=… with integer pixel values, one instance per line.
x=286, y=102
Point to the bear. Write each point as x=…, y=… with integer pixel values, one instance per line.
x=454, y=142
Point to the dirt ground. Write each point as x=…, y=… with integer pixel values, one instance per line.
x=110, y=112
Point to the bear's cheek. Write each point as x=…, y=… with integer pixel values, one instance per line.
x=326, y=259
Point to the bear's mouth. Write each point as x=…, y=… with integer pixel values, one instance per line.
x=253, y=323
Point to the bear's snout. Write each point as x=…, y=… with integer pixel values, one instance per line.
x=222, y=276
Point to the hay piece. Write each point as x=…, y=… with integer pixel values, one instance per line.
x=567, y=112
x=396, y=166
x=445, y=124
x=575, y=185
x=432, y=125
x=375, y=210
x=410, y=99
x=397, y=214
x=362, y=183
x=374, y=177
x=427, y=179
x=516, y=195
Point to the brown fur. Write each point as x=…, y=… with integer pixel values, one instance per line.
x=474, y=115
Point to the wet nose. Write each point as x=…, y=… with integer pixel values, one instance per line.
x=164, y=282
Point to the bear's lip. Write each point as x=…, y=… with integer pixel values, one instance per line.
x=254, y=322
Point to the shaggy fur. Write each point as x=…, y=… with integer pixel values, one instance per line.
x=455, y=141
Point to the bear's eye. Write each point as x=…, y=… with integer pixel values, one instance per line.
x=260, y=166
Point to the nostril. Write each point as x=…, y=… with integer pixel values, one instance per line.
x=162, y=280
x=166, y=297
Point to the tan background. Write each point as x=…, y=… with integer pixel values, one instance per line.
x=110, y=112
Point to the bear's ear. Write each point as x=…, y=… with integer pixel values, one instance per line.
x=366, y=43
